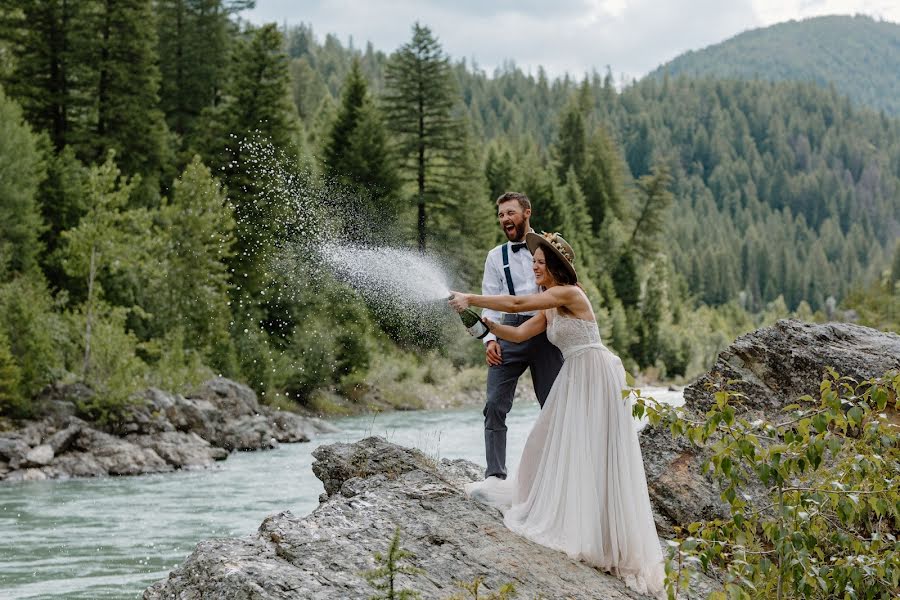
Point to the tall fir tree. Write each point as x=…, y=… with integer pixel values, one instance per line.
x=11, y=400
x=255, y=127
x=419, y=100
x=21, y=172
x=192, y=296
x=128, y=118
x=356, y=153
x=51, y=72
x=194, y=48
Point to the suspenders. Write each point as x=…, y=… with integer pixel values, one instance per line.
x=509, y=283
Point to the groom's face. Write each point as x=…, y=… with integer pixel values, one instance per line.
x=513, y=220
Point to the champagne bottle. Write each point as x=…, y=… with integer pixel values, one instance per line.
x=473, y=323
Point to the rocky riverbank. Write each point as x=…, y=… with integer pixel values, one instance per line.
x=164, y=432
x=773, y=366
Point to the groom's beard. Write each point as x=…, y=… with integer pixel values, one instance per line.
x=518, y=234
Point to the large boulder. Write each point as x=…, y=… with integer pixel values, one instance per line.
x=773, y=366
x=373, y=487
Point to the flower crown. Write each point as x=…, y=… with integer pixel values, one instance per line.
x=555, y=240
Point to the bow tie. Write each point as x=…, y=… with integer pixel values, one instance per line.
x=518, y=246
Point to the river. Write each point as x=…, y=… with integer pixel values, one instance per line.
x=112, y=537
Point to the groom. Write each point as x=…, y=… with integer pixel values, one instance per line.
x=507, y=270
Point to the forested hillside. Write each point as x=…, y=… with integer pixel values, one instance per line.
x=780, y=188
x=140, y=232
x=858, y=55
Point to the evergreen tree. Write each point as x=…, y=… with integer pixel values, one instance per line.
x=654, y=200
x=128, y=118
x=603, y=178
x=498, y=169
x=21, y=171
x=63, y=202
x=194, y=39
x=418, y=104
x=197, y=225
x=570, y=148
x=51, y=71
x=254, y=130
x=356, y=153
x=11, y=401
x=895, y=267
x=109, y=240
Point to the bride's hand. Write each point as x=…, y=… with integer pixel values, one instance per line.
x=459, y=302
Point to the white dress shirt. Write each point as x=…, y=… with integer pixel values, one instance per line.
x=494, y=281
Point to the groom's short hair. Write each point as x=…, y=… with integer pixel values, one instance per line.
x=523, y=200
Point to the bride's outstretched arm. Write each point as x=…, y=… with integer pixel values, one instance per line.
x=520, y=333
x=553, y=298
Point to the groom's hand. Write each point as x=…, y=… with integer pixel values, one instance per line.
x=492, y=353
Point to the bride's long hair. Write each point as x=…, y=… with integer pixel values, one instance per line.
x=561, y=275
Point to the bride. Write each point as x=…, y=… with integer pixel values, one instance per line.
x=580, y=485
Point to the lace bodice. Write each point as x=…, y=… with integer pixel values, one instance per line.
x=570, y=334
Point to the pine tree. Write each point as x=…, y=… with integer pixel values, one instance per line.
x=418, y=104
x=51, y=73
x=11, y=401
x=384, y=577
x=63, y=202
x=109, y=239
x=603, y=178
x=197, y=225
x=571, y=147
x=21, y=171
x=356, y=153
x=255, y=128
x=649, y=217
x=128, y=118
x=895, y=268
x=194, y=39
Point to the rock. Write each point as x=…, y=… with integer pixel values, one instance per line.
x=774, y=366
x=374, y=487
x=26, y=475
x=289, y=427
x=231, y=398
x=120, y=457
x=148, y=415
x=63, y=439
x=778, y=364
x=181, y=450
x=250, y=432
x=77, y=464
x=39, y=456
x=13, y=449
x=4, y=468
x=163, y=431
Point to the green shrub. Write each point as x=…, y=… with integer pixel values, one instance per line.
x=828, y=526
x=11, y=401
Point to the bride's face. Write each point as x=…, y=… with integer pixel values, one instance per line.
x=541, y=275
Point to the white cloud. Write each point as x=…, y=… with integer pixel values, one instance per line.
x=574, y=36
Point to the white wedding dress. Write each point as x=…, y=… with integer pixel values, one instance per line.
x=580, y=486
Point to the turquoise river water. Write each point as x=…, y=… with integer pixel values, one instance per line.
x=112, y=537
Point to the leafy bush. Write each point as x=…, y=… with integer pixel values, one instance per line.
x=11, y=401
x=828, y=525
x=115, y=372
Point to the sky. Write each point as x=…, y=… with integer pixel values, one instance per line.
x=632, y=37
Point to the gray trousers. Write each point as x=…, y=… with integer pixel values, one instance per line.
x=544, y=359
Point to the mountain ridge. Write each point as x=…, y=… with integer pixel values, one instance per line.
x=837, y=50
